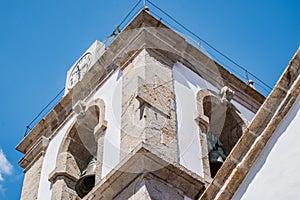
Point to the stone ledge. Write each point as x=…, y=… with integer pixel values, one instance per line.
x=47, y=124
x=34, y=153
x=142, y=161
x=56, y=174
x=148, y=95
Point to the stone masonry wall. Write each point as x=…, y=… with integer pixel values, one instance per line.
x=149, y=187
x=32, y=180
x=148, y=107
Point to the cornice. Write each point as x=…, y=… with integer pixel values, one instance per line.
x=37, y=151
x=145, y=161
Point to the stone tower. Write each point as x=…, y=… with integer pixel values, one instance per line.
x=149, y=116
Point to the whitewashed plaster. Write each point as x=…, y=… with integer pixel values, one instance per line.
x=275, y=174
x=244, y=111
x=49, y=163
x=187, y=84
x=111, y=93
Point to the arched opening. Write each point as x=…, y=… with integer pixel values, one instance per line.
x=224, y=122
x=86, y=123
x=78, y=148
x=224, y=127
x=72, y=160
x=75, y=170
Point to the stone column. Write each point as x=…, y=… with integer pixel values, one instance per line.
x=148, y=106
x=32, y=162
x=99, y=133
x=31, y=180
x=149, y=187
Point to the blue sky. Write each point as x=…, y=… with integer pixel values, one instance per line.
x=40, y=40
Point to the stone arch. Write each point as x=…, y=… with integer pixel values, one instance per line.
x=69, y=164
x=79, y=145
x=205, y=95
x=218, y=119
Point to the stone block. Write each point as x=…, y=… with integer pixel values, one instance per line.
x=244, y=144
x=32, y=180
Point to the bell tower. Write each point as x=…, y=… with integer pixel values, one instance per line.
x=148, y=116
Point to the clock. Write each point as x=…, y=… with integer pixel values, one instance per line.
x=79, y=69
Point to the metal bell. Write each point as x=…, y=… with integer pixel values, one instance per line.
x=86, y=182
x=214, y=156
x=215, y=162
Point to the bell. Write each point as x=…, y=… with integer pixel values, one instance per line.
x=214, y=156
x=215, y=162
x=86, y=182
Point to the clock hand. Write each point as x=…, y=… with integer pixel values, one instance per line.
x=78, y=72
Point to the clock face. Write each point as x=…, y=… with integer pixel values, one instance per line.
x=80, y=68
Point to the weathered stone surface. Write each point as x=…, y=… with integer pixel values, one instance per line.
x=210, y=191
x=100, y=146
x=66, y=167
x=245, y=142
x=149, y=187
x=236, y=178
x=148, y=108
x=223, y=172
x=142, y=164
x=63, y=188
x=32, y=180
x=34, y=153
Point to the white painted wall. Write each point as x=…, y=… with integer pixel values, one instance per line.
x=244, y=111
x=111, y=93
x=49, y=162
x=187, y=84
x=275, y=175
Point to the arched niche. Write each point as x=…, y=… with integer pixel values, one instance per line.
x=79, y=146
x=221, y=123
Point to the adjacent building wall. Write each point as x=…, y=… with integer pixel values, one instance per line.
x=275, y=174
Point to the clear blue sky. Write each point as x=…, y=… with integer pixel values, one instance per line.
x=40, y=40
